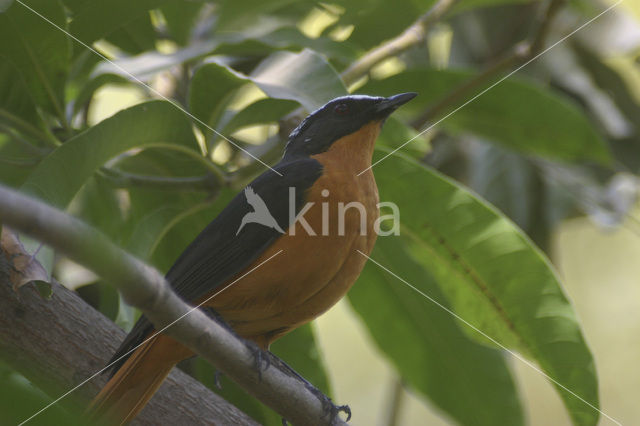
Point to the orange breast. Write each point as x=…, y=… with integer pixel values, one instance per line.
x=312, y=272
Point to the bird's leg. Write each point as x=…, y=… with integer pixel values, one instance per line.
x=214, y=315
x=217, y=376
x=263, y=359
x=260, y=356
x=329, y=408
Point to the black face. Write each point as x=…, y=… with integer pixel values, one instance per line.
x=341, y=117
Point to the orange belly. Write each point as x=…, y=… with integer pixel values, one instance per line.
x=311, y=272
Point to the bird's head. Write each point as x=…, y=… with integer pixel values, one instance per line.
x=341, y=117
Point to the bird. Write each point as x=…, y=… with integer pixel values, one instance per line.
x=326, y=165
x=260, y=213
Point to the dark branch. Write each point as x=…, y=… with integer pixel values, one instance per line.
x=59, y=342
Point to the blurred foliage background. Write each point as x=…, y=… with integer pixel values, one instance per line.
x=507, y=178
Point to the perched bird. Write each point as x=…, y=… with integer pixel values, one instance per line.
x=318, y=258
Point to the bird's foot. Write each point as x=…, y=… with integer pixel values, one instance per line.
x=214, y=315
x=216, y=379
x=329, y=409
x=260, y=358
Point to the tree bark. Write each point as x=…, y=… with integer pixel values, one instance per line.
x=60, y=342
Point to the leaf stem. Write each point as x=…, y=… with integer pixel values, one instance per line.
x=121, y=179
x=211, y=166
x=396, y=399
x=26, y=127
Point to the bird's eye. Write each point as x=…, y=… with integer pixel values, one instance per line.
x=341, y=109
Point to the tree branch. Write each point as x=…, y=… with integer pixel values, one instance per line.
x=120, y=179
x=519, y=54
x=57, y=343
x=410, y=37
x=413, y=35
x=144, y=287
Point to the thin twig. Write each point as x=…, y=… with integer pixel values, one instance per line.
x=27, y=144
x=519, y=54
x=120, y=179
x=412, y=36
x=395, y=402
x=27, y=128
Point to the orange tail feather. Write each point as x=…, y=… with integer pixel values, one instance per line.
x=133, y=385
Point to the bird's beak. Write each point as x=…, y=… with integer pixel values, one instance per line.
x=390, y=104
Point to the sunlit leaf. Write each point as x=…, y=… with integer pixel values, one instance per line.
x=267, y=110
x=211, y=89
x=146, y=65
x=305, y=77
x=491, y=274
x=61, y=175
x=465, y=379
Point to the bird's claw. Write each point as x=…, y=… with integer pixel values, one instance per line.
x=329, y=409
x=259, y=357
x=216, y=379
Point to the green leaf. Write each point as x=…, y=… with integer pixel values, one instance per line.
x=211, y=89
x=239, y=16
x=262, y=40
x=305, y=77
x=18, y=397
x=465, y=379
x=181, y=16
x=91, y=87
x=146, y=65
x=492, y=275
x=375, y=21
x=38, y=50
x=135, y=36
x=518, y=189
x=12, y=153
x=94, y=19
x=267, y=110
x=517, y=113
x=61, y=174
x=15, y=101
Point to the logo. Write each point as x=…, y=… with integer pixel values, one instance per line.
x=261, y=215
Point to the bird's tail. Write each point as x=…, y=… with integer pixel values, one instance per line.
x=133, y=385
